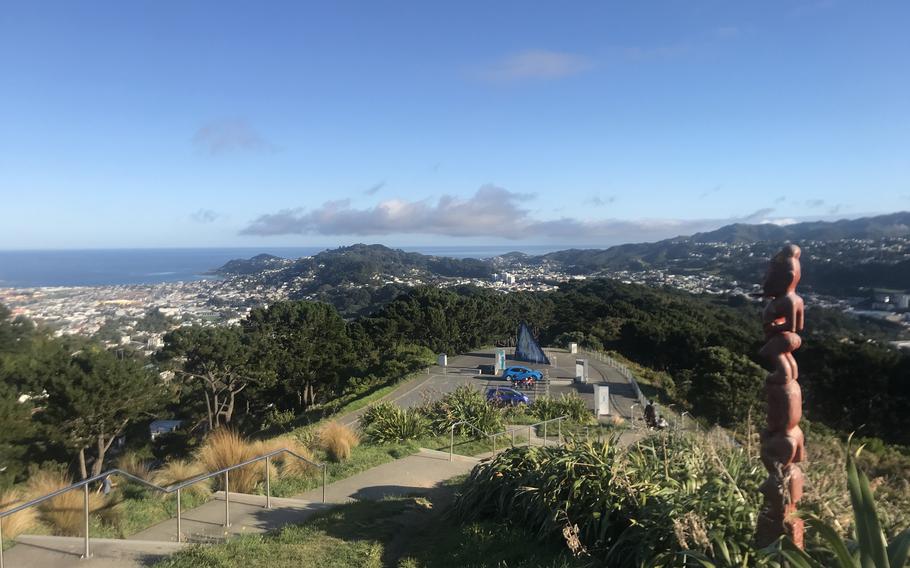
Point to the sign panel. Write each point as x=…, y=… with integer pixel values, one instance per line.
x=601, y=399
x=500, y=358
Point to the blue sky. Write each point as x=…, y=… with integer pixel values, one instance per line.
x=149, y=124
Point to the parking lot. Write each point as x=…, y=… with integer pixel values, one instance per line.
x=464, y=370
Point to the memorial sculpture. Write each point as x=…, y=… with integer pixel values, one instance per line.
x=782, y=439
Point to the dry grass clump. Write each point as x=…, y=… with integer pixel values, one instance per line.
x=132, y=464
x=289, y=466
x=338, y=440
x=616, y=420
x=177, y=471
x=64, y=512
x=17, y=523
x=224, y=448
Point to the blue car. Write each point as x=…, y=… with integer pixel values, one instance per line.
x=518, y=374
x=504, y=396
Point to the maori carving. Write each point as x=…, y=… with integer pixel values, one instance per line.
x=782, y=440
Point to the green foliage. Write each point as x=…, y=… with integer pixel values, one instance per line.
x=309, y=344
x=218, y=363
x=16, y=430
x=724, y=387
x=387, y=422
x=870, y=548
x=570, y=405
x=463, y=408
x=92, y=397
x=662, y=495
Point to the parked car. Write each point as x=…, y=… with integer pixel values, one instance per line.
x=505, y=396
x=519, y=374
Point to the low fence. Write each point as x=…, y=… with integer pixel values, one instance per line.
x=510, y=432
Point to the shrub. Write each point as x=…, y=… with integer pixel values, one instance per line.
x=338, y=440
x=661, y=496
x=464, y=404
x=65, y=513
x=224, y=448
x=178, y=471
x=17, y=523
x=385, y=422
x=571, y=405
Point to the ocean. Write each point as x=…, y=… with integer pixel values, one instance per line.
x=98, y=267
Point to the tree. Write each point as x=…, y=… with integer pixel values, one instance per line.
x=91, y=399
x=724, y=386
x=223, y=360
x=309, y=344
x=15, y=429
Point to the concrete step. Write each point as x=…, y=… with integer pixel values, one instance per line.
x=436, y=454
x=44, y=551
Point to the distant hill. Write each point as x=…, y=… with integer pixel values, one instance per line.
x=356, y=277
x=252, y=265
x=893, y=225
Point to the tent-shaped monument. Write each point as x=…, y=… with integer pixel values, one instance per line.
x=527, y=348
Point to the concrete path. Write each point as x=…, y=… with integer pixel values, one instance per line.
x=418, y=474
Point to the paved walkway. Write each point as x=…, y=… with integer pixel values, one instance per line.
x=416, y=474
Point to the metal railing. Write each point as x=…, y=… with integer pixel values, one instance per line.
x=175, y=488
x=510, y=431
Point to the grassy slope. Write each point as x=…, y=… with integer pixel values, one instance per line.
x=403, y=532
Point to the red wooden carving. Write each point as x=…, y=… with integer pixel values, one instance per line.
x=782, y=440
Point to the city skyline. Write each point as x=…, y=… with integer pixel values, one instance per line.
x=145, y=126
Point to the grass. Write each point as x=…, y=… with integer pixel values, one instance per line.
x=362, y=458
x=224, y=448
x=399, y=532
x=64, y=513
x=337, y=440
x=178, y=471
x=134, y=508
x=17, y=523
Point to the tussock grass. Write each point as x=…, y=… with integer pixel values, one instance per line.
x=287, y=465
x=131, y=463
x=338, y=440
x=20, y=522
x=224, y=448
x=64, y=512
x=177, y=471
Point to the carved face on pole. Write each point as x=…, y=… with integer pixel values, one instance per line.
x=783, y=273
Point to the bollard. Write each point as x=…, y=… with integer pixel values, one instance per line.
x=529, y=436
x=324, y=476
x=494, y=442
x=227, y=501
x=544, y=433
x=1, y=542
x=513, y=445
x=268, y=483
x=559, y=432
x=452, y=442
x=87, y=553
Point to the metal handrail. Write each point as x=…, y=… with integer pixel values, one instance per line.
x=170, y=489
x=512, y=431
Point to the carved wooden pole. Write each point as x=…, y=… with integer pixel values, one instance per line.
x=782, y=439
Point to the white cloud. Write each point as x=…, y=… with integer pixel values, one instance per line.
x=534, y=64
x=492, y=212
